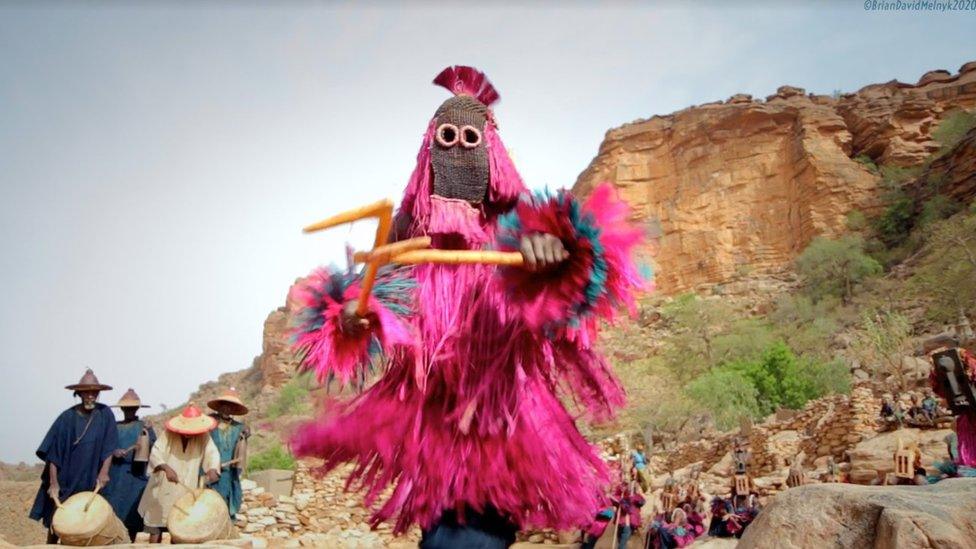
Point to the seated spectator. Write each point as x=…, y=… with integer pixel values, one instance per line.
x=596, y=528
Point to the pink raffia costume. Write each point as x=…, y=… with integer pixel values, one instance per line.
x=467, y=415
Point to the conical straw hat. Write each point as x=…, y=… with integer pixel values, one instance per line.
x=130, y=399
x=89, y=383
x=191, y=422
x=231, y=397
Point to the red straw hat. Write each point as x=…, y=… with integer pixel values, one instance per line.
x=191, y=422
x=231, y=397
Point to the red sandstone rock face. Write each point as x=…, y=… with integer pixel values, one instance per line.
x=277, y=362
x=746, y=185
x=952, y=174
x=893, y=122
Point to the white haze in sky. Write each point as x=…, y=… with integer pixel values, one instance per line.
x=157, y=160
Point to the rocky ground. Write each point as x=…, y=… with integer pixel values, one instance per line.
x=16, y=498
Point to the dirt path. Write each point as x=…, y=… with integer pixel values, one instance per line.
x=16, y=499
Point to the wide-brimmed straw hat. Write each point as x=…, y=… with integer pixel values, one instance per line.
x=191, y=422
x=130, y=400
x=233, y=399
x=89, y=383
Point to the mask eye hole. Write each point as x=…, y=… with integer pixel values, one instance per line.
x=470, y=137
x=447, y=135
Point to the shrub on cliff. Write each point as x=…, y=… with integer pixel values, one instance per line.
x=953, y=128
x=292, y=398
x=697, y=323
x=274, y=457
x=756, y=388
x=784, y=380
x=835, y=267
x=947, y=275
x=726, y=394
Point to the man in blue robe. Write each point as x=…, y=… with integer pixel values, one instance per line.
x=129, y=460
x=77, y=451
x=229, y=436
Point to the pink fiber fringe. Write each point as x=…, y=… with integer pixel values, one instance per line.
x=471, y=416
x=579, y=287
x=329, y=350
x=506, y=183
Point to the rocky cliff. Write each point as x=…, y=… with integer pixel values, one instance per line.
x=744, y=185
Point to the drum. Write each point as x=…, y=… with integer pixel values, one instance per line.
x=200, y=516
x=87, y=519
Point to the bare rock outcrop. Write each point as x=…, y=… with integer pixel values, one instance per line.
x=952, y=174
x=892, y=123
x=786, y=164
x=277, y=362
x=844, y=515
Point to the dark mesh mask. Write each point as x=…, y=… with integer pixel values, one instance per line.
x=458, y=154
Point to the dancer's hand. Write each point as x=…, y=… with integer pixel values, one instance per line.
x=352, y=323
x=542, y=251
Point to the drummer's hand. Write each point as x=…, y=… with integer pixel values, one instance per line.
x=212, y=476
x=119, y=453
x=352, y=323
x=102, y=480
x=542, y=251
x=170, y=474
x=54, y=491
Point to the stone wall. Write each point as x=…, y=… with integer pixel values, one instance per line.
x=318, y=513
x=825, y=427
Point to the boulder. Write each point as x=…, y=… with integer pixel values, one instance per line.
x=714, y=543
x=847, y=515
x=876, y=454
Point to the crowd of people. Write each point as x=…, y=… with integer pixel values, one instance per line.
x=141, y=475
x=682, y=512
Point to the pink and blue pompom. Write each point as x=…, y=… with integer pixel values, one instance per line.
x=600, y=273
x=317, y=334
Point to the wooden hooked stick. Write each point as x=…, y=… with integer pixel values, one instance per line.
x=384, y=211
x=457, y=257
x=383, y=254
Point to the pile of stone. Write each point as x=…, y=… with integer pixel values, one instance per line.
x=312, y=511
x=264, y=514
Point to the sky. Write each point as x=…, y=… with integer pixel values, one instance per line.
x=158, y=160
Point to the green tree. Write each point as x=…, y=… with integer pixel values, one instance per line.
x=776, y=377
x=835, y=267
x=947, y=275
x=697, y=323
x=725, y=394
x=882, y=340
x=743, y=339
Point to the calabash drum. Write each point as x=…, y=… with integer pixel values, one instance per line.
x=97, y=525
x=199, y=516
